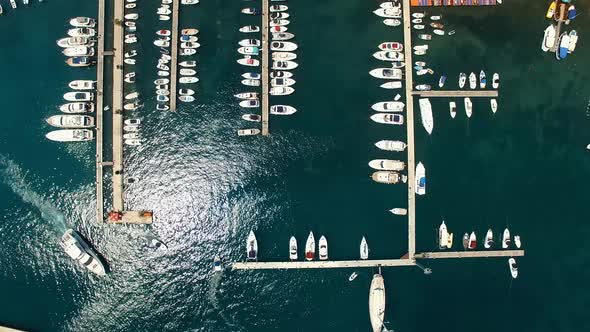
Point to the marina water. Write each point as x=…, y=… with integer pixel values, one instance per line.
x=525, y=167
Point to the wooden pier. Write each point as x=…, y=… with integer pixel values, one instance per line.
x=409, y=84
x=264, y=69
x=457, y=93
x=470, y=254
x=99, y=112
x=562, y=13
x=320, y=264
x=174, y=55
x=117, y=108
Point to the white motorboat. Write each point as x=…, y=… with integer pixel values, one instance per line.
x=249, y=50
x=548, y=38
x=284, y=65
x=462, y=80
x=453, y=109
x=130, y=5
x=132, y=142
x=188, y=80
x=78, y=96
x=282, y=36
x=189, y=32
x=418, y=26
x=364, y=249
x=495, y=81
x=186, y=99
x=420, y=47
x=164, y=17
x=248, y=132
x=252, y=117
x=71, y=121
x=162, y=107
x=249, y=43
x=73, y=42
x=249, y=103
x=162, y=66
x=420, y=52
x=390, y=4
x=282, y=110
x=186, y=92
x=81, y=85
x=79, y=250
x=435, y=17
x=386, y=73
x=506, y=239
x=494, y=105
x=416, y=21
x=250, y=28
x=277, y=15
x=188, y=39
x=132, y=16
x=388, y=106
x=482, y=80
x=423, y=87
x=163, y=11
x=323, y=248
x=488, y=242
x=131, y=54
x=162, y=43
x=189, y=2
x=517, y=242
x=472, y=241
x=388, y=177
x=163, y=33
x=217, y=264
x=426, y=114
x=163, y=92
x=131, y=106
x=130, y=61
x=392, y=22
x=82, y=22
x=468, y=106
x=188, y=64
x=74, y=108
x=399, y=211
x=472, y=81
x=573, y=41
x=189, y=45
x=279, y=22
x=13, y=4
x=310, y=247
x=391, y=46
x=293, y=248
x=278, y=8
x=387, y=165
x=129, y=136
x=70, y=135
x=392, y=85
x=251, y=247
x=388, y=118
x=352, y=276
x=283, y=56
x=188, y=51
x=390, y=145
x=247, y=95
x=377, y=302
x=389, y=56
x=250, y=82
x=162, y=99
x=513, y=268
x=281, y=91
x=388, y=12
x=132, y=122
x=420, y=179
x=187, y=71
x=284, y=46
x=132, y=95
x=466, y=241
x=248, y=61
x=283, y=74
x=282, y=82
x=439, y=32
x=161, y=81
x=443, y=236
x=78, y=51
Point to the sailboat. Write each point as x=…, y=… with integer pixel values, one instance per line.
x=466, y=241
x=443, y=236
x=506, y=239
x=472, y=241
x=377, y=302
x=364, y=249
x=310, y=247
x=489, y=240
x=513, y=268
x=468, y=106
x=251, y=247
x=293, y=248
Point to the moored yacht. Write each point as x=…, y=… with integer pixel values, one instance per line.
x=70, y=135
x=426, y=114
x=323, y=248
x=81, y=85
x=377, y=302
x=388, y=177
x=251, y=247
x=420, y=179
x=79, y=250
x=293, y=248
x=71, y=121
x=468, y=106
x=364, y=249
x=390, y=145
x=489, y=239
x=387, y=165
x=310, y=247
x=506, y=239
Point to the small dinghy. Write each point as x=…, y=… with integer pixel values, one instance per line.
x=251, y=117
x=310, y=247
x=399, y=211
x=364, y=249
x=81, y=85
x=353, y=276
x=393, y=119
x=251, y=247
x=390, y=145
x=186, y=99
x=247, y=95
x=188, y=80
x=495, y=81
x=281, y=91
x=468, y=106
x=74, y=108
x=506, y=239
x=323, y=248
x=248, y=61
x=488, y=242
x=462, y=80
x=513, y=268
x=494, y=105
x=388, y=106
x=472, y=81
x=249, y=28
x=282, y=110
x=387, y=165
x=248, y=132
x=472, y=241
x=388, y=177
x=420, y=180
x=293, y=248
x=439, y=32
x=249, y=103
x=453, y=109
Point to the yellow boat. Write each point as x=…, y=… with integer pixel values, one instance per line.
x=551, y=9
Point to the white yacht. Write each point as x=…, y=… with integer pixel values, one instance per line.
x=78, y=96
x=388, y=118
x=323, y=248
x=548, y=38
x=77, y=108
x=472, y=81
x=310, y=247
x=387, y=165
x=388, y=106
x=377, y=302
x=251, y=247
x=71, y=121
x=82, y=22
x=390, y=145
x=387, y=73
x=79, y=250
x=248, y=132
x=283, y=46
x=506, y=239
x=81, y=85
x=494, y=105
x=426, y=114
x=293, y=248
x=468, y=106
x=364, y=249
x=282, y=110
x=420, y=179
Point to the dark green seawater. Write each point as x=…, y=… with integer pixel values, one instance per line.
x=525, y=167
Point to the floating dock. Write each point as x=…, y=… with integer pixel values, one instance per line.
x=174, y=55
x=457, y=93
x=131, y=217
x=409, y=84
x=562, y=13
x=264, y=57
x=470, y=254
x=428, y=3
x=99, y=112
x=117, y=109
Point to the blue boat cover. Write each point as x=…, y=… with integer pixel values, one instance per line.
x=571, y=14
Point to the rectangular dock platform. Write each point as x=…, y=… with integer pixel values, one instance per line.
x=99, y=112
x=131, y=217
x=320, y=264
x=457, y=93
x=470, y=254
x=264, y=63
x=174, y=55
x=429, y=3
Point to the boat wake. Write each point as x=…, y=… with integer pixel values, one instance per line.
x=212, y=297
x=15, y=179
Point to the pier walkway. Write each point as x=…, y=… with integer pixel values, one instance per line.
x=407, y=26
x=264, y=71
x=99, y=112
x=457, y=93
x=118, y=34
x=470, y=254
x=174, y=55
x=320, y=264
x=562, y=12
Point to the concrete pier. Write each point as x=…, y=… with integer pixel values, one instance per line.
x=264, y=69
x=409, y=84
x=117, y=109
x=320, y=264
x=561, y=19
x=470, y=254
x=99, y=111
x=174, y=55
x=457, y=93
